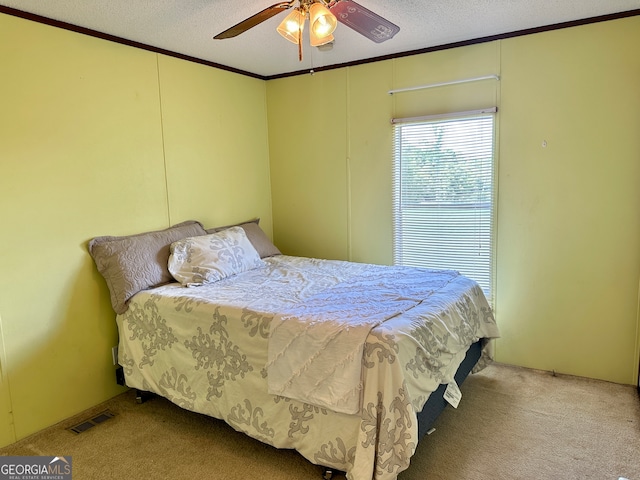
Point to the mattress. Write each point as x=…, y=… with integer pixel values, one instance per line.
x=207, y=350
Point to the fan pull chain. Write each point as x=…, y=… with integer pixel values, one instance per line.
x=300, y=44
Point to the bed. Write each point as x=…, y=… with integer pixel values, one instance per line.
x=337, y=360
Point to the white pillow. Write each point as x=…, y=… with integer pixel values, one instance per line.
x=204, y=259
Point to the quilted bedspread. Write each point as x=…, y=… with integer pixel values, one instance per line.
x=214, y=349
x=315, y=348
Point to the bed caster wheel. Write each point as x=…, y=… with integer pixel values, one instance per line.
x=327, y=474
x=142, y=396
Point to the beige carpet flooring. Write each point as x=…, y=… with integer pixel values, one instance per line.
x=512, y=423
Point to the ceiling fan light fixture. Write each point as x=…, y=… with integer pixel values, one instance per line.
x=292, y=26
x=326, y=47
x=319, y=41
x=322, y=22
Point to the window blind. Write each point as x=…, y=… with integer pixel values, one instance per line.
x=443, y=183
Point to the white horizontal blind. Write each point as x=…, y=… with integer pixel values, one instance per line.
x=444, y=195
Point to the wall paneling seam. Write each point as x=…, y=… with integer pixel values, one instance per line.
x=164, y=152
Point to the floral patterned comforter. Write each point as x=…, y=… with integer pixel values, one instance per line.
x=206, y=349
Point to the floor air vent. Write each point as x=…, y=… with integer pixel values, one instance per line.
x=92, y=422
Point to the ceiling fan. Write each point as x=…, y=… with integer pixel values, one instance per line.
x=323, y=16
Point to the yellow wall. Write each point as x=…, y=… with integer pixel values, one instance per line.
x=569, y=238
x=7, y=433
x=308, y=174
x=101, y=139
x=568, y=224
x=216, y=146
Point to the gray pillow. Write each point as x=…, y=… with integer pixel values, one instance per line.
x=133, y=263
x=256, y=236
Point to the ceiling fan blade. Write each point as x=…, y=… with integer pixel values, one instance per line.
x=364, y=21
x=254, y=20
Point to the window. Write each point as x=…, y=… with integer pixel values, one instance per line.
x=444, y=195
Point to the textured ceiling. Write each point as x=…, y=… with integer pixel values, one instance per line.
x=186, y=27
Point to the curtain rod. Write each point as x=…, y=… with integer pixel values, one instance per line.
x=443, y=84
x=468, y=113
